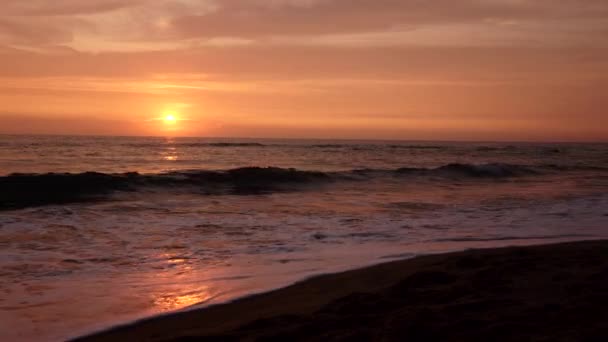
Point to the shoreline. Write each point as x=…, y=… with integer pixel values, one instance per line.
x=331, y=306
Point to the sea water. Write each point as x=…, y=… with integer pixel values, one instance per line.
x=98, y=231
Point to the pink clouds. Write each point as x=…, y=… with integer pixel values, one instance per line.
x=175, y=20
x=508, y=66
x=62, y=7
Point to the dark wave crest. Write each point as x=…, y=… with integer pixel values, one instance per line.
x=574, y=167
x=494, y=170
x=25, y=190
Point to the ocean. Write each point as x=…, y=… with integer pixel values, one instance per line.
x=99, y=231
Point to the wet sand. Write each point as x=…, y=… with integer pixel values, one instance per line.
x=540, y=293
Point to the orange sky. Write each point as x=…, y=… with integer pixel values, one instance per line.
x=385, y=69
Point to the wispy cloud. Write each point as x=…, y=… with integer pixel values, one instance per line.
x=300, y=62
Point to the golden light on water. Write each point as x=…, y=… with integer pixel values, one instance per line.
x=170, y=153
x=179, y=287
x=175, y=300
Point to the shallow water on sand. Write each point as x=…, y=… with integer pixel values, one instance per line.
x=193, y=229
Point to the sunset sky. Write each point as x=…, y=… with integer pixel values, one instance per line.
x=384, y=69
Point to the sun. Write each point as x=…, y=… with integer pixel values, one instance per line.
x=169, y=118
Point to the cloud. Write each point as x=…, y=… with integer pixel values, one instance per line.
x=268, y=62
x=35, y=32
x=309, y=61
x=285, y=18
x=250, y=18
x=139, y=25
x=62, y=7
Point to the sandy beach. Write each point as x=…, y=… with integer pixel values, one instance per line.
x=541, y=293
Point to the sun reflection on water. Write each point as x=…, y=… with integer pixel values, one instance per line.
x=170, y=152
x=181, y=286
x=175, y=301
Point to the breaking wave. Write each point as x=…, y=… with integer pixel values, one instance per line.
x=495, y=170
x=25, y=190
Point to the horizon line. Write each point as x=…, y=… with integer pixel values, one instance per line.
x=533, y=141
